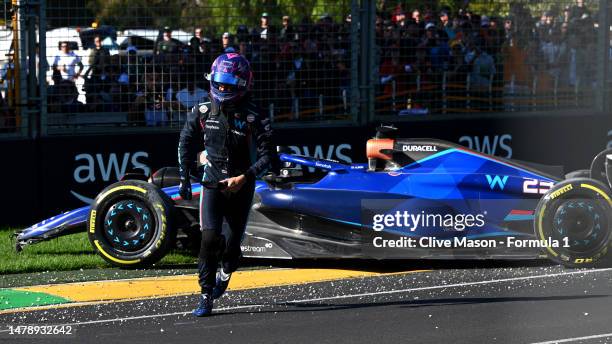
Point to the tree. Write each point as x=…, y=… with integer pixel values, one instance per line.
x=214, y=15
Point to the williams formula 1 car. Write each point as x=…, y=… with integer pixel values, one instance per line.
x=413, y=199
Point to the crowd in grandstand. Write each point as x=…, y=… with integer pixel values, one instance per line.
x=470, y=53
x=419, y=52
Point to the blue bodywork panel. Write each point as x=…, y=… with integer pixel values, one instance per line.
x=454, y=180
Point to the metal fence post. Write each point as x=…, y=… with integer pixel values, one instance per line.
x=603, y=51
x=20, y=66
x=354, y=85
x=372, y=65
x=32, y=104
x=367, y=70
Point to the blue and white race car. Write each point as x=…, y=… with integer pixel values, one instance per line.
x=413, y=199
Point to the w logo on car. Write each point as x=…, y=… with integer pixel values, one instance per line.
x=497, y=180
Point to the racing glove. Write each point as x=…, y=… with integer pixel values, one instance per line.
x=185, y=186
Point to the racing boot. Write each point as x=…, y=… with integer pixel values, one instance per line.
x=204, y=307
x=221, y=282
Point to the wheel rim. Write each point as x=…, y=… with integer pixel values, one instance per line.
x=581, y=221
x=128, y=226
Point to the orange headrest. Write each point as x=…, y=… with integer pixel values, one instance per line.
x=374, y=146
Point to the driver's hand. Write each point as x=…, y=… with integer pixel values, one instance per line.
x=235, y=183
x=185, y=190
x=185, y=186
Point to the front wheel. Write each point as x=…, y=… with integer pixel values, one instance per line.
x=577, y=214
x=129, y=224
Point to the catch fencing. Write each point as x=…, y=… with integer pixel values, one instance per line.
x=113, y=66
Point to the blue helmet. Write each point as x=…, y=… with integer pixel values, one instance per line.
x=233, y=73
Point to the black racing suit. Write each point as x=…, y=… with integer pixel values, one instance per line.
x=237, y=140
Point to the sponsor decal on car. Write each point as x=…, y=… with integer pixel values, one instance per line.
x=322, y=165
x=419, y=148
x=499, y=181
x=561, y=191
x=264, y=248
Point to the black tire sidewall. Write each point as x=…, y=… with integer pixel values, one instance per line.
x=159, y=206
x=548, y=205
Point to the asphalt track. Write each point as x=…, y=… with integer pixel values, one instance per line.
x=470, y=303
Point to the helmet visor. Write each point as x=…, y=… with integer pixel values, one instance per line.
x=228, y=79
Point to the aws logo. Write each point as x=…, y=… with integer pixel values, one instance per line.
x=339, y=152
x=497, y=181
x=495, y=145
x=103, y=168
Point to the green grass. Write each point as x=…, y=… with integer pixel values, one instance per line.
x=72, y=252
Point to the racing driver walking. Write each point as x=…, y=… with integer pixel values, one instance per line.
x=236, y=139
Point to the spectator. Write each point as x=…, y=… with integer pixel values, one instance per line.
x=457, y=76
x=416, y=15
x=261, y=32
x=509, y=32
x=393, y=75
x=197, y=34
x=65, y=63
x=243, y=49
x=132, y=67
x=287, y=32
x=400, y=17
x=169, y=58
x=62, y=96
x=555, y=52
x=152, y=103
x=579, y=10
x=447, y=25
x=227, y=43
x=242, y=33
x=167, y=45
x=483, y=66
x=7, y=123
x=481, y=76
x=98, y=60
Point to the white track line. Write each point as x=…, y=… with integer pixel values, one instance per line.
x=147, y=316
x=451, y=285
x=567, y=340
x=345, y=296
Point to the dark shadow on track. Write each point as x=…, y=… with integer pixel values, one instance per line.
x=372, y=265
x=323, y=307
x=395, y=265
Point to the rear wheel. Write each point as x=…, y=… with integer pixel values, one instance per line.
x=129, y=224
x=577, y=214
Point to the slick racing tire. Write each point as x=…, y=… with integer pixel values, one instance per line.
x=576, y=214
x=129, y=224
x=598, y=167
